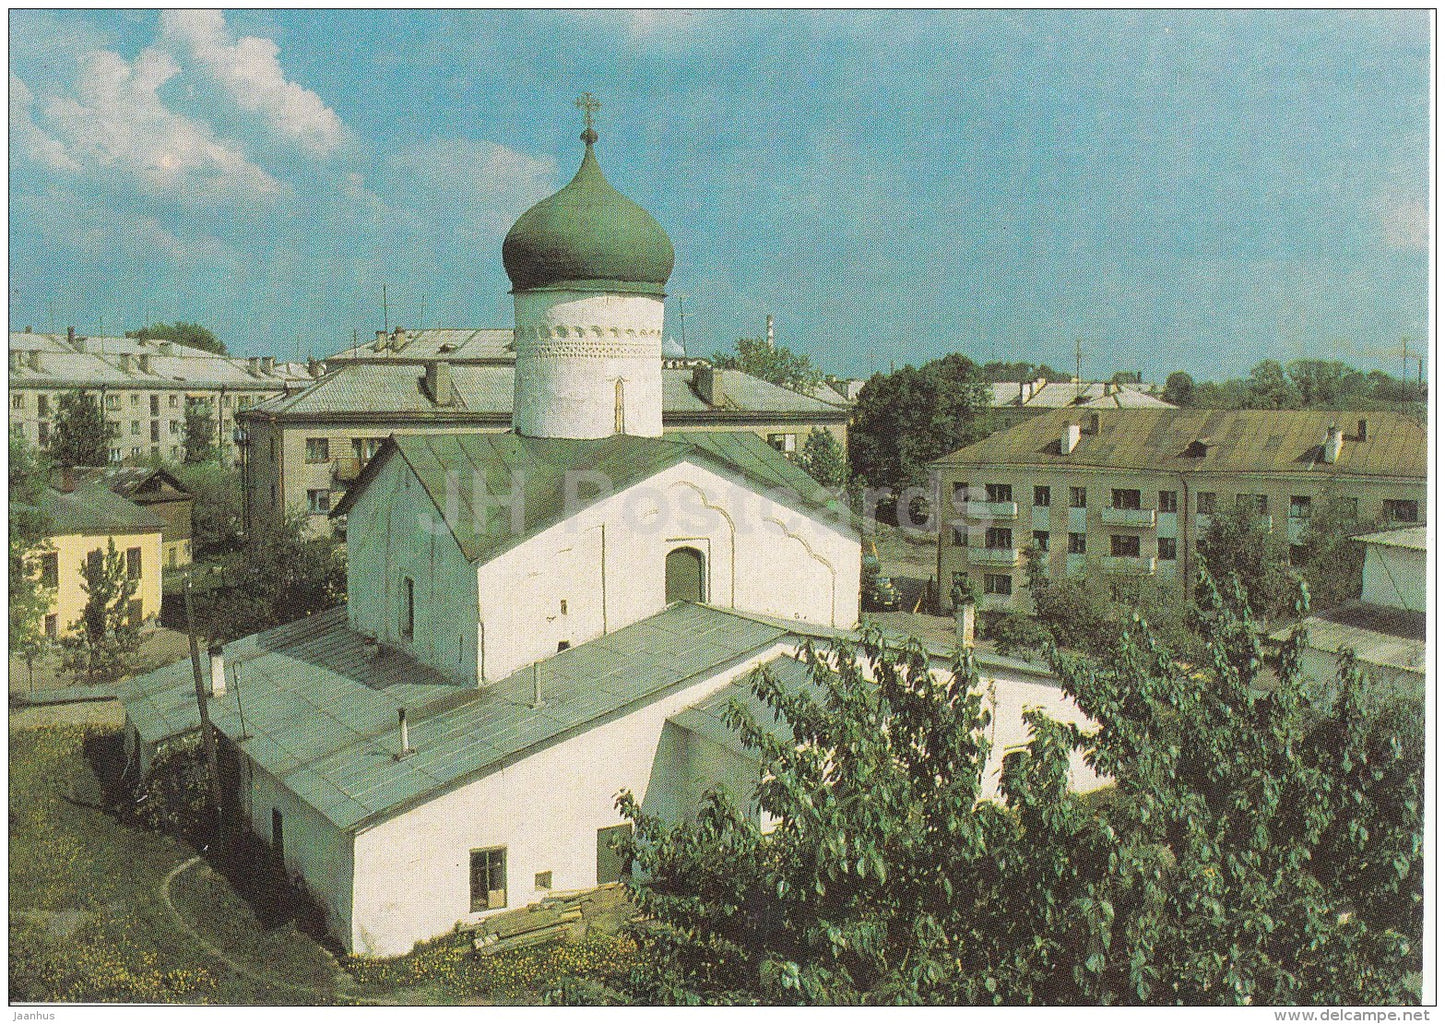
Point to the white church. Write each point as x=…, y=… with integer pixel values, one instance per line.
x=535, y=620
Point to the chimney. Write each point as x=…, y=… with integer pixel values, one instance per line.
x=314, y=367
x=1094, y=423
x=1334, y=441
x=27, y=328
x=143, y=362
x=536, y=684
x=1070, y=439
x=1363, y=433
x=406, y=750
x=70, y=335
x=1023, y=393
x=268, y=364
x=439, y=384
x=33, y=358
x=380, y=344
x=218, y=671
x=398, y=339
x=253, y=365
x=123, y=361
x=770, y=330
x=704, y=379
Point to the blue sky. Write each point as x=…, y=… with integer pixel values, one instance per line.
x=1180, y=190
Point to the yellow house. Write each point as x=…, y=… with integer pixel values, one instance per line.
x=83, y=519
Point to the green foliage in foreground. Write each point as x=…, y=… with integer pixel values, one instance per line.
x=1255, y=847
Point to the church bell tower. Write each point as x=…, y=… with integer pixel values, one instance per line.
x=587, y=267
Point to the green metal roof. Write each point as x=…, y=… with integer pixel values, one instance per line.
x=321, y=713
x=588, y=236
x=453, y=469
x=1412, y=537
x=93, y=509
x=706, y=717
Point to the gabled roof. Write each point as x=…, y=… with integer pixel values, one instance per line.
x=135, y=483
x=485, y=393
x=1412, y=537
x=93, y=509
x=453, y=469
x=1231, y=441
x=458, y=344
x=321, y=712
x=1387, y=637
x=1062, y=394
x=96, y=362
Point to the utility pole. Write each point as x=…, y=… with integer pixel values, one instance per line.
x=682, y=323
x=1078, y=367
x=208, y=738
x=385, y=322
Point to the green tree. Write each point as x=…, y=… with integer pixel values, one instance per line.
x=906, y=419
x=278, y=578
x=1179, y=389
x=81, y=435
x=821, y=457
x=998, y=372
x=775, y=363
x=200, y=433
x=1237, y=543
x=30, y=599
x=102, y=644
x=182, y=333
x=1230, y=862
x=1324, y=383
x=1270, y=388
x=216, y=507
x=1331, y=563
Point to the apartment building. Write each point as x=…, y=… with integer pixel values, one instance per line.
x=144, y=386
x=302, y=451
x=1129, y=492
x=1015, y=402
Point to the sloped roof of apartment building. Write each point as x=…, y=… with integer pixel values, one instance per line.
x=116, y=362
x=1202, y=440
x=1062, y=394
x=457, y=344
x=389, y=390
x=449, y=467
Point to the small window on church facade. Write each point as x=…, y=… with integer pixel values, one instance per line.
x=408, y=607
x=785, y=443
x=489, y=879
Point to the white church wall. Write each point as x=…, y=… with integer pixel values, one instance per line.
x=393, y=534
x=607, y=562
x=412, y=871
x=574, y=350
x=312, y=847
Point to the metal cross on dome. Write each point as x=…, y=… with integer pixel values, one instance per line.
x=589, y=105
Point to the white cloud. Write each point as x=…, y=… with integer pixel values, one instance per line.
x=250, y=74
x=478, y=185
x=28, y=142
x=116, y=126
x=1405, y=223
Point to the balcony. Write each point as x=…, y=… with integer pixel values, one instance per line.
x=1126, y=565
x=1138, y=518
x=346, y=470
x=996, y=510
x=1003, y=557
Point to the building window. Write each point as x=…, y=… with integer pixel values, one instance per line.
x=1042, y=497
x=42, y=405
x=113, y=427
x=43, y=430
x=1078, y=497
x=112, y=402
x=998, y=537
x=1124, y=545
x=959, y=536
x=317, y=449
x=155, y=430
x=1204, y=503
x=132, y=563
x=1257, y=503
x=366, y=447
x=1076, y=544
x=960, y=495
x=995, y=583
x=489, y=879
x=1041, y=539
x=1168, y=549
x=50, y=569
x=116, y=455
x=318, y=502
x=225, y=401
x=176, y=452
x=155, y=405
x=17, y=401
x=785, y=443
x=1299, y=506
x=999, y=493
x=135, y=428
x=1402, y=510
x=1296, y=554
x=543, y=881
x=134, y=398
x=408, y=607
x=52, y=627
x=175, y=426
x=175, y=401
x=1126, y=499
x=135, y=452
x=1168, y=501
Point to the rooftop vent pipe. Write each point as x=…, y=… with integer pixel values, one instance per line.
x=1069, y=440
x=218, y=671
x=406, y=750
x=1334, y=442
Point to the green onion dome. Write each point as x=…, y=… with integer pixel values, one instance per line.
x=588, y=236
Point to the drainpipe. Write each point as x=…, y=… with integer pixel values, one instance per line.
x=1184, y=536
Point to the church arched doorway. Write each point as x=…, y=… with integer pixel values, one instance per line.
x=684, y=575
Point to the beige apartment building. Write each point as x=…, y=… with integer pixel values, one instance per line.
x=1127, y=493
x=144, y=387
x=302, y=451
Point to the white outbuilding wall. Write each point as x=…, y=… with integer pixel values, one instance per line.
x=412, y=871
x=1394, y=577
x=607, y=563
x=583, y=359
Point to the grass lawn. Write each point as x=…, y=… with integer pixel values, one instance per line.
x=89, y=923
